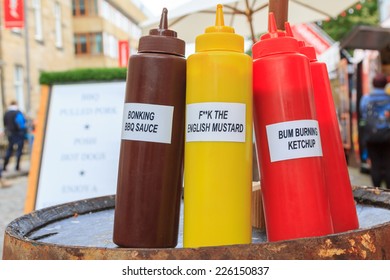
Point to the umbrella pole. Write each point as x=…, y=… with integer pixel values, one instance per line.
x=280, y=10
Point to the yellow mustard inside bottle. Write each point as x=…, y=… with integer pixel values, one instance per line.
x=218, y=148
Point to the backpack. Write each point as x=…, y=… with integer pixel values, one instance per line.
x=9, y=122
x=377, y=127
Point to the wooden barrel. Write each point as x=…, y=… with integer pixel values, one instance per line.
x=83, y=230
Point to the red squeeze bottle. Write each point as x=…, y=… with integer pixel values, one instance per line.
x=150, y=173
x=288, y=140
x=342, y=204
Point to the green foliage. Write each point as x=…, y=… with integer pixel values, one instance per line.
x=362, y=13
x=83, y=75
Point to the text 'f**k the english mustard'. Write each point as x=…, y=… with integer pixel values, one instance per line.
x=218, y=148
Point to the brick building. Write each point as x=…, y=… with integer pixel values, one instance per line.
x=61, y=35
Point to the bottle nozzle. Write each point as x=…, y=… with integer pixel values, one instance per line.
x=290, y=33
x=219, y=22
x=164, y=19
x=288, y=29
x=162, y=40
x=309, y=51
x=272, y=28
x=273, y=31
x=162, y=29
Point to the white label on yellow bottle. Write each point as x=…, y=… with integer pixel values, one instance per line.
x=147, y=122
x=215, y=122
x=294, y=139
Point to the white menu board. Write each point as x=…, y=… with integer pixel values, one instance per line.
x=82, y=143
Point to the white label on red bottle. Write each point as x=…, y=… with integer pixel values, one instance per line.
x=215, y=122
x=293, y=140
x=147, y=122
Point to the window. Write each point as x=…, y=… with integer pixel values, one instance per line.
x=58, y=25
x=74, y=7
x=97, y=44
x=112, y=15
x=93, y=8
x=84, y=7
x=110, y=45
x=38, y=20
x=88, y=43
x=80, y=44
x=18, y=85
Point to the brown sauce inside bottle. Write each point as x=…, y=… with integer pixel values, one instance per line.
x=150, y=173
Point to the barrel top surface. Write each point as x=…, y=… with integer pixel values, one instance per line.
x=95, y=229
x=83, y=229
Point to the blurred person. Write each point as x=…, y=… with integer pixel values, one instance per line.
x=375, y=111
x=15, y=130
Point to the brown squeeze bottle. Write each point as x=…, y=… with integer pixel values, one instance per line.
x=151, y=154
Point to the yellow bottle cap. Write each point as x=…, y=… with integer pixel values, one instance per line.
x=219, y=37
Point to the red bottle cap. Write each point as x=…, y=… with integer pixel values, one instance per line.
x=273, y=42
x=308, y=51
x=162, y=39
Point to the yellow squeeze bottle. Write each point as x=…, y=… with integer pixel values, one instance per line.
x=218, y=148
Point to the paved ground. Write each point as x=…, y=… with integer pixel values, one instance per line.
x=12, y=199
